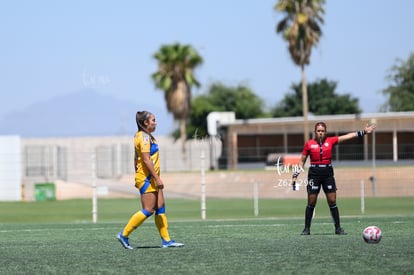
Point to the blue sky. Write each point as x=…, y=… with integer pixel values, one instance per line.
x=51, y=48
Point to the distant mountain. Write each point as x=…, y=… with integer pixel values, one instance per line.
x=84, y=113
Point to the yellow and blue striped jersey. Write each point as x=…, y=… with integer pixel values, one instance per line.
x=144, y=143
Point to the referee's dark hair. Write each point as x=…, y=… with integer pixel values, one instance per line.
x=320, y=123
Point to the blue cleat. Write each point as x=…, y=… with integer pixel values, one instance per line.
x=171, y=243
x=124, y=241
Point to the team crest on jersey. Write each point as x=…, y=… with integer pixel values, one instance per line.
x=326, y=144
x=145, y=138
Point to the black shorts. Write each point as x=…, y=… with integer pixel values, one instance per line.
x=321, y=177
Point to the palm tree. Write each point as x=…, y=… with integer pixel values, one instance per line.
x=175, y=77
x=300, y=28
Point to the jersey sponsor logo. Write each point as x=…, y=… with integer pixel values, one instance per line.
x=314, y=146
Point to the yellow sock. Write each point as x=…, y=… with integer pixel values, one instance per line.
x=136, y=220
x=162, y=225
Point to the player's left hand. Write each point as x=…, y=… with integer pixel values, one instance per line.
x=370, y=128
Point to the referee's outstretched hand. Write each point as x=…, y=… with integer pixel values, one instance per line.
x=370, y=128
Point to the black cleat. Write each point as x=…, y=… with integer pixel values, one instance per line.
x=340, y=231
x=305, y=231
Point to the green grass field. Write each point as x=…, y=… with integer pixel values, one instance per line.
x=59, y=238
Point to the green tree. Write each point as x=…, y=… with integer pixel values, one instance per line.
x=400, y=92
x=322, y=101
x=300, y=28
x=175, y=76
x=221, y=98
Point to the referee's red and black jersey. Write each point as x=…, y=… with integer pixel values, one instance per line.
x=320, y=153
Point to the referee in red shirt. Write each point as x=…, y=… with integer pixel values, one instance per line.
x=321, y=174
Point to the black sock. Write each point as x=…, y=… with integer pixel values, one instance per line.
x=308, y=215
x=335, y=215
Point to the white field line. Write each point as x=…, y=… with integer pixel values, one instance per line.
x=43, y=230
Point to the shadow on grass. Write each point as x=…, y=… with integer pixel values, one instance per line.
x=323, y=234
x=147, y=246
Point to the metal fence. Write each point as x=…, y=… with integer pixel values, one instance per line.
x=85, y=160
x=343, y=152
x=115, y=160
x=111, y=159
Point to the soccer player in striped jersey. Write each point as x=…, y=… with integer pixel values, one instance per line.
x=148, y=182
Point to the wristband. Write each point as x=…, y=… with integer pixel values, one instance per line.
x=360, y=133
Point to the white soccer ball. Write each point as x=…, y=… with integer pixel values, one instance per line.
x=372, y=234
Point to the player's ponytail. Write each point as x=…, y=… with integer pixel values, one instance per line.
x=140, y=118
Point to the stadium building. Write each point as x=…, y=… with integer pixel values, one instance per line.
x=264, y=140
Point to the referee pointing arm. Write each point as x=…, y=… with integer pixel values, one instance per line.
x=321, y=174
